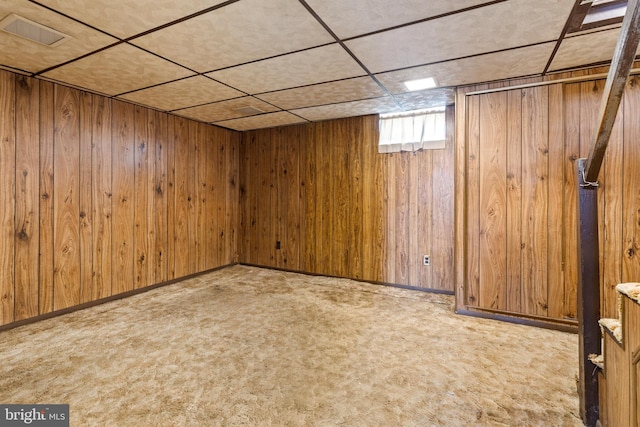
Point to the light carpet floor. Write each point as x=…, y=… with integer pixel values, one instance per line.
x=245, y=346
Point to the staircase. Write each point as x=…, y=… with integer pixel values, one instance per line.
x=619, y=364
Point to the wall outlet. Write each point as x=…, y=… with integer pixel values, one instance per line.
x=426, y=260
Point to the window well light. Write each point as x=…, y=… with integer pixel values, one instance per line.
x=420, y=84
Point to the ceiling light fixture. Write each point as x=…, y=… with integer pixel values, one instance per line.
x=248, y=110
x=22, y=27
x=420, y=84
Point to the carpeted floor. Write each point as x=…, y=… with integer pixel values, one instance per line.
x=251, y=347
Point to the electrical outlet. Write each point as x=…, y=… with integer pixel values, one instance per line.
x=426, y=260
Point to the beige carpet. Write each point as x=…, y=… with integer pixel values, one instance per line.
x=251, y=347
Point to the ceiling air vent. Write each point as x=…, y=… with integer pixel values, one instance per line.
x=248, y=110
x=22, y=27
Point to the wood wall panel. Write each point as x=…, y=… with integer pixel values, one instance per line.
x=66, y=200
x=27, y=179
x=7, y=196
x=89, y=201
x=342, y=209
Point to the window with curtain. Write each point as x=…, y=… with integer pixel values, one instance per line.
x=412, y=130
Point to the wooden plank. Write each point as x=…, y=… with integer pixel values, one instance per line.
x=160, y=198
x=171, y=197
x=66, y=279
x=198, y=133
x=514, y=201
x=213, y=152
x=254, y=195
x=442, y=209
x=423, y=228
x=473, y=202
x=492, y=202
x=243, y=213
x=123, y=184
x=621, y=63
x=535, y=195
x=26, y=196
x=46, y=266
x=631, y=191
x=307, y=191
x=354, y=177
x=380, y=203
x=572, y=95
x=369, y=153
x=102, y=197
x=392, y=210
x=7, y=196
x=234, y=194
x=141, y=255
x=221, y=186
x=85, y=198
x=554, y=213
x=193, y=239
x=182, y=197
x=290, y=181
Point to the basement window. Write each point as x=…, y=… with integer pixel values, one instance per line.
x=591, y=14
x=412, y=130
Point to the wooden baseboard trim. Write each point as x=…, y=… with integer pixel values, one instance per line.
x=563, y=326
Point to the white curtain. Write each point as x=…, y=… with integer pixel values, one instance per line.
x=412, y=131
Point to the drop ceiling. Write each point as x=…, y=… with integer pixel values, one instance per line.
x=248, y=64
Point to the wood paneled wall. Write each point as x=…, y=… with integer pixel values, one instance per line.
x=101, y=197
x=340, y=208
x=520, y=149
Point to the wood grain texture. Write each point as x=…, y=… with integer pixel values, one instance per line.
x=472, y=288
x=142, y=130
x=66, y=204
x=631, y=191
x=85, y=198
x=102, y=198
x=27, y=180
x=158, y=201
x=7, y=195
x=183, y=171
x=123, y=182
x=45, y=260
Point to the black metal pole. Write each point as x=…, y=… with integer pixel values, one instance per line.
x=588, y=295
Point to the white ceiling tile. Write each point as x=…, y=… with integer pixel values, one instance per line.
x=308, y=67
x=325, y=93
x=493, y=66
x=240, y=32
x=183, y=93
x=281, y=118
x=585, y=49
x=119, y=69
x=30, y=56
x=224, y=110
x=348, y=109
x=351, y=18
x=499, y=26
x=123, y=18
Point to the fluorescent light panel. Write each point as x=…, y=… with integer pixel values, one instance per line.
x=420, y=84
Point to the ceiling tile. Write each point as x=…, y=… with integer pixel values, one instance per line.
x=499, y=26
x=224, y=110
x=586, y=49
x=183, y=93
x=356, y=17
x=240, y=32
x=348, y=109
x=426, y=98
x=124, y=18
x=281, y=118
x=119, y=69
x=308, y=67
x=325, y=93
x=493, y=66
x=30, y=56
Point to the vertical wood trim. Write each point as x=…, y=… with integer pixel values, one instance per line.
x=7, y=195
x=102, y=197
x=46, y=245
x=123, y=144
x=85, y=198
x=27, y=158
x=66, y=199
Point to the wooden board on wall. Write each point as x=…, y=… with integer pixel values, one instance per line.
x=7, y=198
x=85, y=198
x=160, y=198
x=66, y=280
x=27, y=192
x=142, y=130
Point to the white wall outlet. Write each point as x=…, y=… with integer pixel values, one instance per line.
x=426, y=260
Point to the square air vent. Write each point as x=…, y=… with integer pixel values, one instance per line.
x=22, y=27
x=248, y=111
